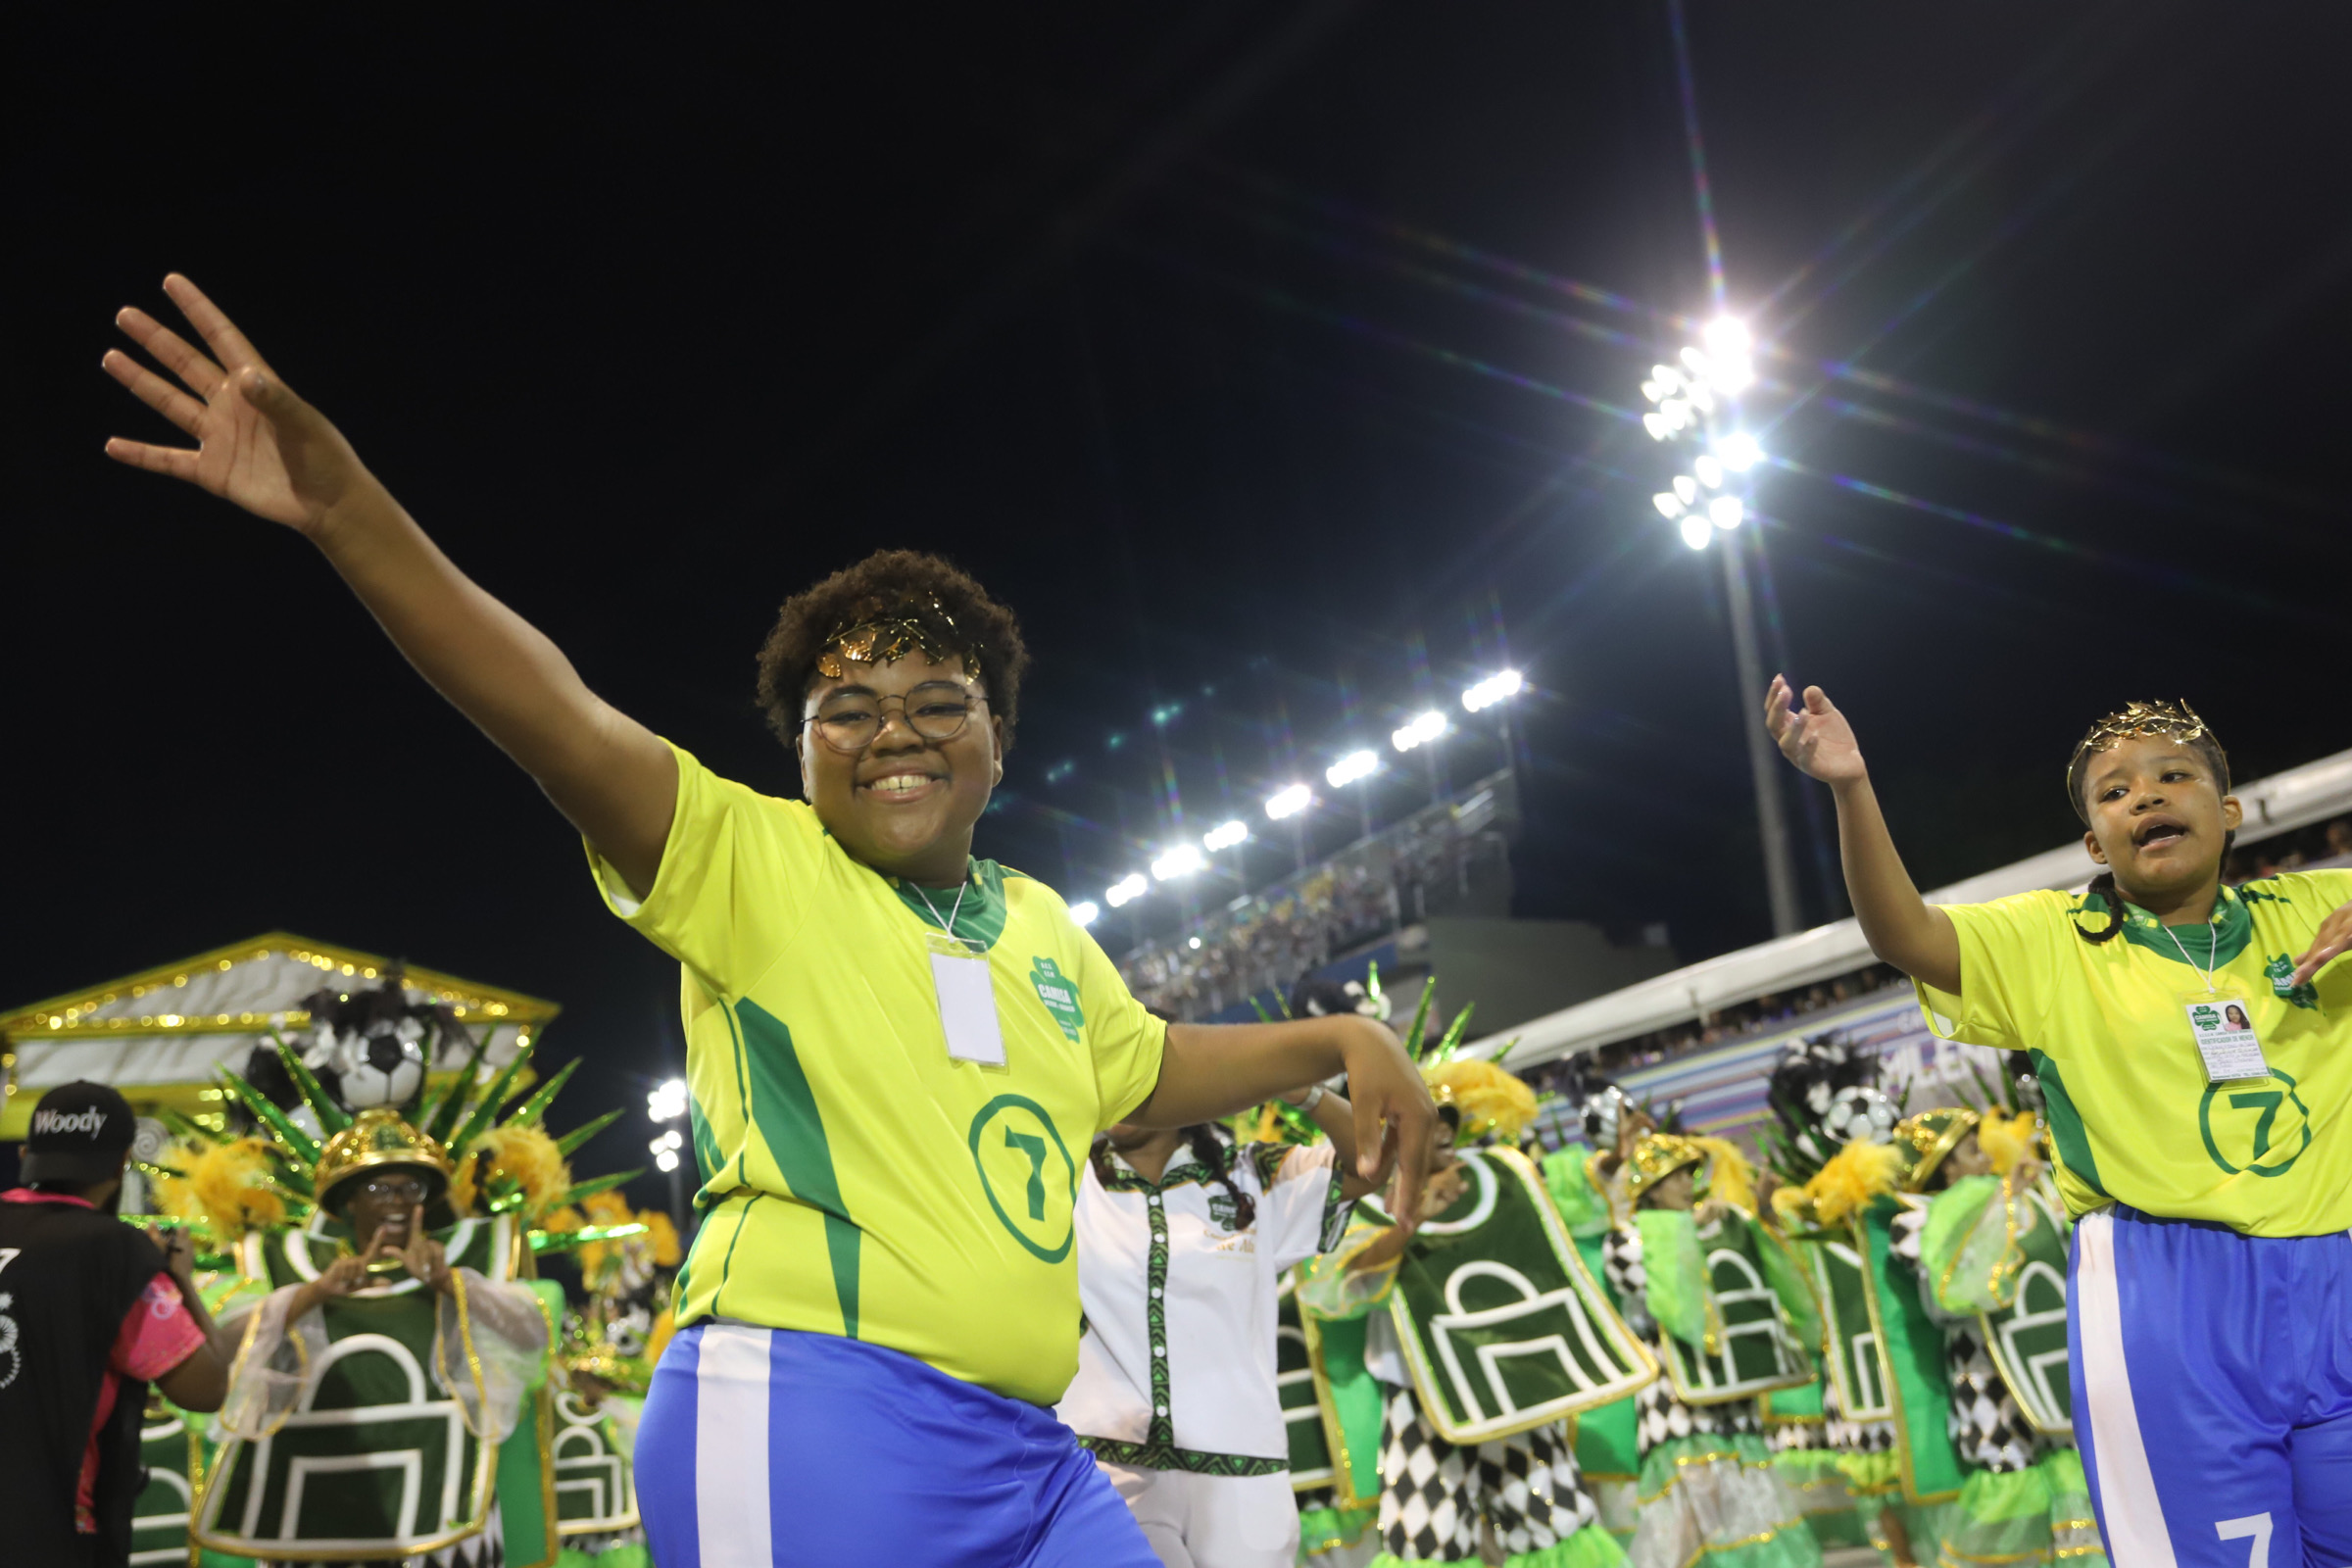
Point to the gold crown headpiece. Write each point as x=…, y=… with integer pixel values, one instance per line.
x=1925, y=1139
x=2174, y=721
x=378, y=1137
x=1657, y=1156
x=880, y=628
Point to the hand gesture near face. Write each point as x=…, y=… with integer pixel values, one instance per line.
x=257, y=444
x=1812, y=734
x=2336, y=936
x=338, y=1279
x=423, y=1257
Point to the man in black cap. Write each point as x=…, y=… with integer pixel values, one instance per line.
x=90, y=1312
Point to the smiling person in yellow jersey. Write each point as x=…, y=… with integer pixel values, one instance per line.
x=899, y=1054
x=2209, y=1157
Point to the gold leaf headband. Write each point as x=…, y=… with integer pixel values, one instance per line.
x=2174, y=721
x=877, y=630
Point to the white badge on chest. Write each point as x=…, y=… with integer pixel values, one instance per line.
x=2224, y=1030
x=967, y=1002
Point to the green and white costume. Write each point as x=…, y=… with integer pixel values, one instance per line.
x=389, y=1423
x=1988, y=1265
x=1711, y=1298
x=1493, y=1333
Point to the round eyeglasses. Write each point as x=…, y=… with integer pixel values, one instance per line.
x=399, y=1189
x=849, y=721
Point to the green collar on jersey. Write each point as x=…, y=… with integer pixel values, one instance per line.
x=979, y=921
x=2232, y=927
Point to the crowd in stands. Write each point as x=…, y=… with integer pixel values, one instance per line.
x=1261, y=943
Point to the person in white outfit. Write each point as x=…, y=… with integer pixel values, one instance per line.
x=1183, y=1238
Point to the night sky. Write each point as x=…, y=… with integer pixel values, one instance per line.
x=1262, y=358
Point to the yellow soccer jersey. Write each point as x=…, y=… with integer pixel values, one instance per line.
x=2132, y=1114
x=856, y=1180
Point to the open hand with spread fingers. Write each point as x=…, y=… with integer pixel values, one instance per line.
x=257, y=444
x=2335, y=937
x=1812, y=733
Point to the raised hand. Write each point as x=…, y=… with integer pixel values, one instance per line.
x=1813, y=734
x=2334, y=936
x=423, y=1257
x=257, y=444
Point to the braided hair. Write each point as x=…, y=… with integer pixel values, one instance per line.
x=1209, y=1145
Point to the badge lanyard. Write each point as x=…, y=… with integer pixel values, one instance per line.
x=963, y=987
x=2229, y=1052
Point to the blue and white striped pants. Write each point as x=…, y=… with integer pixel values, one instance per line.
x=769, y=1448
x=2212, y=1391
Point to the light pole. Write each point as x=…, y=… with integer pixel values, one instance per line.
x=1699, y=400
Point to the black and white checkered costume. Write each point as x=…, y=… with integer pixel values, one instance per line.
x=1986, y=1426
x=1663, y=1416
x=1432, y=1495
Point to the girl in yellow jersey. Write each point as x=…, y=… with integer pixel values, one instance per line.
x=2194, y=1043
x=897, y=1053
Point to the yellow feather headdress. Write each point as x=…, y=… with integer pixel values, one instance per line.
x=1844, y=1185
x=519, y=1165
x=228, y=1185
x=1488, y=1099
x=2007, y=1140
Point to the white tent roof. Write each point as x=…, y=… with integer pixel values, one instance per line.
x=169, y=1026
x=2280, y=804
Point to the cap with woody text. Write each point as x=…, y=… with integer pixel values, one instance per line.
x=79, y=1133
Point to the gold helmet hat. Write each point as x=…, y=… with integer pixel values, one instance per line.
x=1923, y=1140
x=376, y=1139
x=1657, y=1156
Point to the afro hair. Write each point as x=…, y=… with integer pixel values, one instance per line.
x=809, y=618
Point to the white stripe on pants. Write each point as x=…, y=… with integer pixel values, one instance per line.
x=2135, y=1519
x=730, y=1447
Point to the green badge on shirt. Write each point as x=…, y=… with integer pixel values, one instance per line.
x=1058, y=994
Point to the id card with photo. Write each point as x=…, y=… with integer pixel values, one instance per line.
x=967, y=1002
x=2224, y=1030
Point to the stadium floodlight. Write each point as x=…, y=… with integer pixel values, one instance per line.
x=1126, y=890
x=1666, y=375
x=1085, y=912
x=1708, y=471
x=1703, y=397
x=1494, y=689
x=1351, y=768
x=1182, y=860
x=1686, y=489
x=1193, y=942
x=667, y=1100
x=1655, y=423
x=1725, y=511
x=664, y=1149
x=1695, y=532
x=1729, y=345
x=1225, y=835
x=1289, y=801
x=1696, y=361
x=1739, y=452
x=1670, y=506
x=1727, y=335
x=1655, y=391
x=1676, y=413
x=1420, y=730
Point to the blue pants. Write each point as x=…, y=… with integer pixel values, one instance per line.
x=2212, y=1391
x=770, y=1449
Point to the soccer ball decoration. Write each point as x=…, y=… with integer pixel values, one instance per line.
x=1860, y=1112
x=383, y=1068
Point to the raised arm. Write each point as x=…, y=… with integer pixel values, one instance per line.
x=264, y=449
x=1213, y=1070
x=1901, y=927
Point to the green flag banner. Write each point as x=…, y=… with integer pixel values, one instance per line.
x=1503, y=1326
x=1753, y=1353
